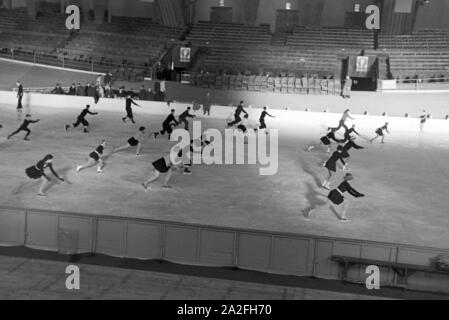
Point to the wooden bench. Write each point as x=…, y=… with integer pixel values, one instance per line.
x=403, y=270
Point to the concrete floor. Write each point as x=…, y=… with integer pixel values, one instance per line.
x=22, y=278
x=405, y=181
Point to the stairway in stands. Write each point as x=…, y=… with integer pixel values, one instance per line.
x=279, y=39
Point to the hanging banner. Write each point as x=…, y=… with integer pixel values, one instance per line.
x=362, y=64
x=185, y=54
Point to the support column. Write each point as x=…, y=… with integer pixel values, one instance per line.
x=32, y=8
x=7, y=4
x=109, y=11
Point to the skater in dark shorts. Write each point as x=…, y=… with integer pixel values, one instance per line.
x=263, y=125
x=167, y=125
x=348, y=146
x=423, y=119
x=129, y=109
x=183, y=118
x=24, y=127
x=336, y=197
x=189, y=163
x=38, y=172
x=96, y=157
x=237, y=113
x=82, y=120
x=160, y=166
x=243, y=125
x=349, y=132
x=331, y=165
x=343, y=119
x=380, y=133
x=135, y=140
x=326, y=141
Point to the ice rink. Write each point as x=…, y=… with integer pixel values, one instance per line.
x=406, y=181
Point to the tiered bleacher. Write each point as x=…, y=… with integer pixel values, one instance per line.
x=19, y=32
x=326, y=37
x=133, y=44
x=228, y=34
x=424, y=54
x=127, y=46
x=310, y=53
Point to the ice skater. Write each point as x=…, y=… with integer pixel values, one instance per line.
x=167, y=125
x=326, y=141
x=19, y=96
x=344, y=117
x=129, y=109
x=183, y=118
x=96, y=157
x=262, y=123
x=380, y=133
x=242, y=126
x=82, y=120
x=331, y=165
x=135, y=140
x=345, y=152
x=423, y=118
x=161, y=166
x=237, y=113
x=336, y=197
x=24, y=127
x=183, y=154
x=349, y=132
x=38, y=172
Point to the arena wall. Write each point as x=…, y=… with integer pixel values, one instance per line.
x=401, y=123
x=277, y=253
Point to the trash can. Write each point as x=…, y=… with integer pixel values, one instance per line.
x=68, y=241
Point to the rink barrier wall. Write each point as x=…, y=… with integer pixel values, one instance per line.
x=212, y=246
x=367, y=122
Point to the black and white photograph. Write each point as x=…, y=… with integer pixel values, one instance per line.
x=230, y=157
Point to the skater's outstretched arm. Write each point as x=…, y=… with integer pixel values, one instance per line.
x=354, y=192
x=138, y=105
x=50, y=166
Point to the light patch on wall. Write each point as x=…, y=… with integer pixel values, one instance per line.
x=403, y=6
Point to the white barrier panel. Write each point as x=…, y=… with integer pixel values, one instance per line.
x=217, y=248
x=323, y=267
x=84, y=227
x=181, y=244
x=42, y=231
x=111, y=237
x=144, y=241
x=292, y=255
x=422, y=280
x=12, y=227
x=381, y=253
x=254, y=252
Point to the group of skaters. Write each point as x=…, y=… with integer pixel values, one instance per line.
x=341, y=154
x=243, y=125
x=97, y=157
x=336, y=196
x=164, y=165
